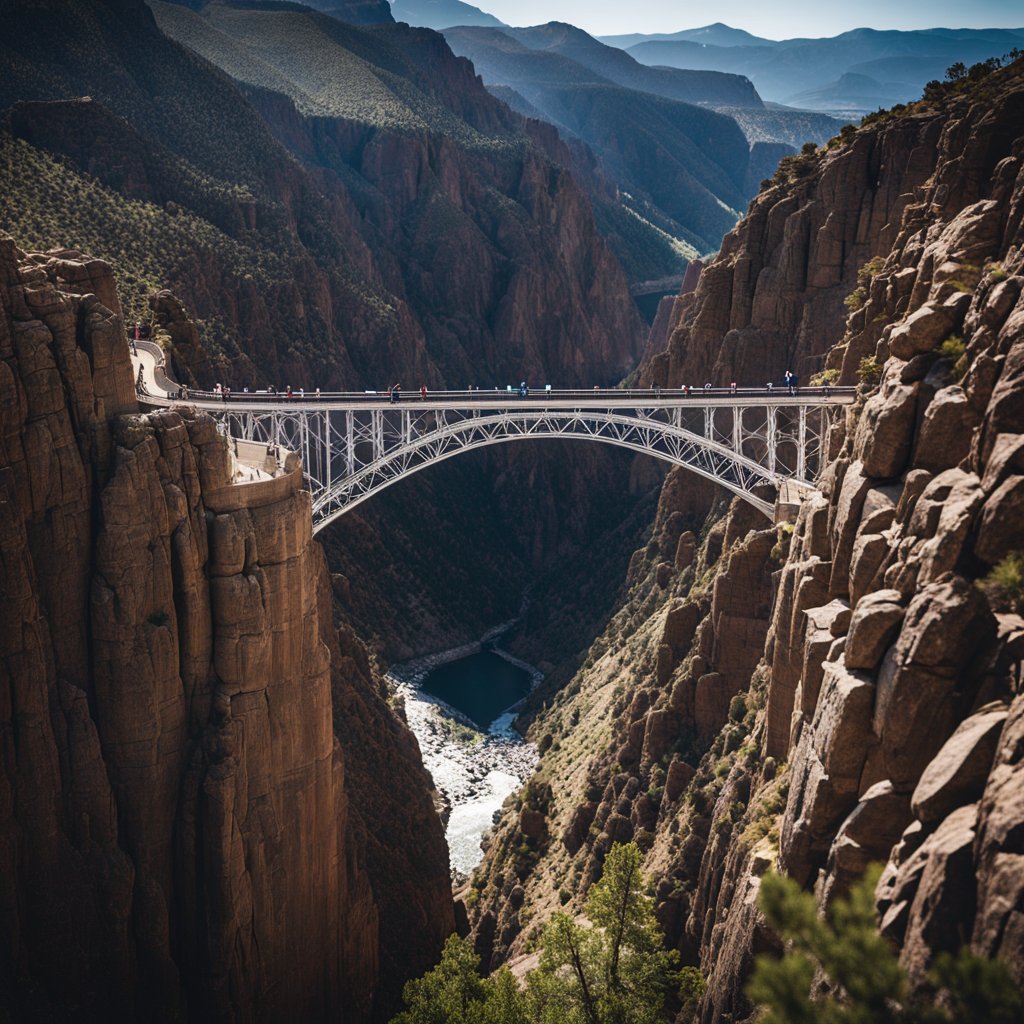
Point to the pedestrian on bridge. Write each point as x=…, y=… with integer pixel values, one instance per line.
x=423, y=392
x=396, y=393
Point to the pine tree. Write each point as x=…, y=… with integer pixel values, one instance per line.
x=614, y=970
x=866, y=982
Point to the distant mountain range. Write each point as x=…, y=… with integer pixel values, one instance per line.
x=849, y=74
x=677, y=142
x=441, y=14
x=684, y=164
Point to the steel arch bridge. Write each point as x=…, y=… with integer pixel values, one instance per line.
x=354, y=445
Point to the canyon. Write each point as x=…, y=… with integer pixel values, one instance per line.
x=211, y=804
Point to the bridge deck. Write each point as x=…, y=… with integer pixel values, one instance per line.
x=159, y=390
x=606, y=398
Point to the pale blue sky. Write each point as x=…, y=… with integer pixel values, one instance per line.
x=774, y=19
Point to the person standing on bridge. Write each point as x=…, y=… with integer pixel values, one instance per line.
x=423, y=392
x=396, y=393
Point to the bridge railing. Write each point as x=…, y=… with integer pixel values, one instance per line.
x=779, y=394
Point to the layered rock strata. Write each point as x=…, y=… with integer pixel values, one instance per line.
x=181, y=835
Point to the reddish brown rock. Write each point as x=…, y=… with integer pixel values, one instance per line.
x=826, y=771
x=944, y=895
x=999, y=852
x=188, y=831
x=866, y=836
x=999, y=529
x=885, y=434
x=958, y=772
x=875, y=624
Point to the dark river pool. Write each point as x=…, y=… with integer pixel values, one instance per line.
x=481, y=686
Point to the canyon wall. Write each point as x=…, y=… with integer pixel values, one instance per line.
x=814, y=699
x=186, y=826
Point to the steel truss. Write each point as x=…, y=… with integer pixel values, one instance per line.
x=351, y=453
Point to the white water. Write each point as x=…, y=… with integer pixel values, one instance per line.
x=475, y=779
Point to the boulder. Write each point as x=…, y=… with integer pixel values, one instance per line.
x=958, y=772
x=916, y=711
x=944, y=514
x=999, y=852
x=579, y=823
x=886, y=429
x=944, y=897
x=677, y=778
x=874, y=626
x=944, y=438
x=884, y=435
x=870, y=552
x=856, y=484
x=826, y=771
x=920, y=332
x=1001, y=523
x=686, y=549
x=868, y=834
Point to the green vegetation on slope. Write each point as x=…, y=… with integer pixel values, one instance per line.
x=326, y=67
x=613, y=970
x=45, y=203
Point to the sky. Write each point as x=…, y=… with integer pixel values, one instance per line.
x=773, y=19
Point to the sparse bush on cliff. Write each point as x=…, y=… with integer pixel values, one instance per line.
x=954, y=349
x=870, y=371
x=863, y=976
x=1004, y=585
x=829, y=376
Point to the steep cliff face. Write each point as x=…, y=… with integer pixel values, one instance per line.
x=773, y=298
x=850, y=692
x=181, y=831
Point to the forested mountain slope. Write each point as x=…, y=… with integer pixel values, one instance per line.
x=293, y=269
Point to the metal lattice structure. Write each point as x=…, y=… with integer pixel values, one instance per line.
x=353, y=450
x=354, y=445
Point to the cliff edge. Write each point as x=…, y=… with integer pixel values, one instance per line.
x=182, y=835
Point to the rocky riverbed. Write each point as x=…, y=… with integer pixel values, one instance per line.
x=473, y=771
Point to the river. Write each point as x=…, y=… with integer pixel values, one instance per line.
x=459, y=711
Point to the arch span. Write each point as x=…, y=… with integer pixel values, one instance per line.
x=352, y=451
x=680, y=447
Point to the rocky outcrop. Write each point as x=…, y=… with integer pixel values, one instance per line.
x=181, y=830
x=880, y=719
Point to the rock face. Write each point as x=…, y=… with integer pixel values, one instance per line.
x=180, y=830
x=880, y=718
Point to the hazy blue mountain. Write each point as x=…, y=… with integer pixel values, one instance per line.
x=686, y=165
x=441, y=14
x=815, y=72
x=712, y=88
x=710, y=35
